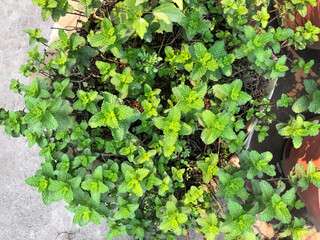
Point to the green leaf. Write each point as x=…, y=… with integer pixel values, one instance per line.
x=218, y=49
x=311, y=169
x=301, y=104
x=267, y=214
x=303, y=183
x=104, y=38
x=142, y=173
x=168, y=13
x=285, y=101
x=137, y=189
x=190, y=99
x=95, y=217
x=171, y=138
x=283, y=213
x=140, y=25
x=33, y=181
x=209, y=167
x=289, y=197
x=283, y=34
x=267, y=190
x=209, y=225
x=177, y=174
x=49, y=121
x=235, y=209
x=310, y=85
x=100, y=120
x=315, y=103
x=97, y=174
x=198, y=72
x=140, y=2
x=102, y=188
x=297, y=141
x=179, y=3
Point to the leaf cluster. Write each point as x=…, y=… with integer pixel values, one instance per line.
x=140, y=112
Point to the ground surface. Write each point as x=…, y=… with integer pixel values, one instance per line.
x=22, y=213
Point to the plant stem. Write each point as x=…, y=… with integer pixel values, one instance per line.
x=277, y=179
x=139, y=144
x=205, y=148
x=272, y=20
x=188, y=237
x=78, y=14
x=211, y=192
x=78, y=11
x=284, y=44
x=273, y=10
x=64, y=29
x=111, y=155
x=44, y=73
x=82, y=80
x=162, y=42
x=203, y=236
x=67, y=233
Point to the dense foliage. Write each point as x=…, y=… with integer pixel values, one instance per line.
x=142, y=109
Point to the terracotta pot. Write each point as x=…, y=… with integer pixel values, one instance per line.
x=313, y=16
x=309, y=151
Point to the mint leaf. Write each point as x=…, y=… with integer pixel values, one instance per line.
x=168, y=13
x=140, y=25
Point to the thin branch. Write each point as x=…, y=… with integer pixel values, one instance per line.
x=283, y=45
x=142, y=142
x=75, y=28
x=162, y=42
x=205, y=148
x=273, y=10
x=112, y=155
x=277, y=179
x=68, y=235
x=219, y=142
x=241, y=70
x=272, y=20
x=188, y=237
x=289, y=59
x=45, y=45
x=178, y=34
x=78, y=14
x=203, y=236
x=201, y=232
x=82, y=79
x=78, y=11
x=213, y=197
x=44, y=73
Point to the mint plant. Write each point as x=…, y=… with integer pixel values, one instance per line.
x=303, y=177
x=141, y=116
x=297, y=128
x=291, y=7
x=310, y=101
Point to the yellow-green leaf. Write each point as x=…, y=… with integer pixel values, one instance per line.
x=179, y=3
x=141, y=26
